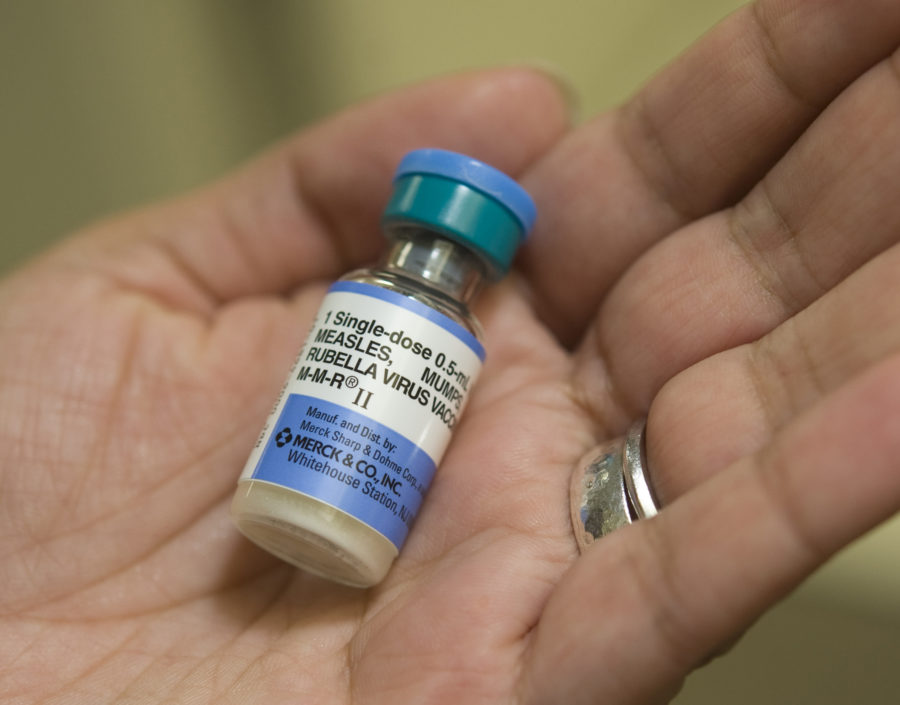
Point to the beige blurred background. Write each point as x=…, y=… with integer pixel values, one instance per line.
x=105, y=104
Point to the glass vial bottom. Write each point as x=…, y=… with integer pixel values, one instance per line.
x=311, y=535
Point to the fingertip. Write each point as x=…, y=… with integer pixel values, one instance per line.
x=564, y=85
x=512, y=114
x=505, y=116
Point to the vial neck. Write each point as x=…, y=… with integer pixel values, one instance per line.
x=430, y=259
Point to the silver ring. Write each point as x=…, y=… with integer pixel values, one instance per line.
x=610, y=487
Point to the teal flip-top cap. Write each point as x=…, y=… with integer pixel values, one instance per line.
x=464, y=199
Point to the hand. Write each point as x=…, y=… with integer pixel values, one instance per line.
x=719, y=252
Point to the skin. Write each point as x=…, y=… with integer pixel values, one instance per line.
x=720, y=254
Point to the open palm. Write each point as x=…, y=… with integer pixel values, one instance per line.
x=691, y=262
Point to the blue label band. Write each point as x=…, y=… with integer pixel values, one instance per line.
x=436, y=317
x=349, y=461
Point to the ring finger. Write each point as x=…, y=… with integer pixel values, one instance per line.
x=732, y=403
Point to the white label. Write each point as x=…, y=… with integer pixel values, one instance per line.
x=369, y=406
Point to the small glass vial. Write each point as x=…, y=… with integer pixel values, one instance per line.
x=347, y=454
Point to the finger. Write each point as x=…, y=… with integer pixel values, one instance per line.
x=824, y=210
x=647, y=605
x=310, y=207
x=692, y=142
x=759, y=387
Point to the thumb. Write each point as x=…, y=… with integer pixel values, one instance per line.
x=309, y=207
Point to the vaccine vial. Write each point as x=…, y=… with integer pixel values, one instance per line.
x=346, y=456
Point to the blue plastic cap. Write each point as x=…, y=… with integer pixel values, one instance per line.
x=465, y=199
